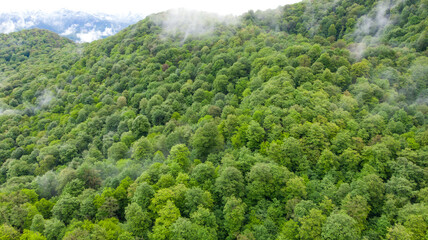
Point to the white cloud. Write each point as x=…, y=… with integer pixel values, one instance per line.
x=190, y=22
x=11, y=26
x=7, y=27
x=92, y=35
x=69, y=31
x=371, y=26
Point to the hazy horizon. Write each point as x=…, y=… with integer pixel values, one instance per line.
x=126, y=7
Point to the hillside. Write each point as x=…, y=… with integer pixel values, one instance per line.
x=304, y=122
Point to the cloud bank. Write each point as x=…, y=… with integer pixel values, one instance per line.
x=78, y=26
x=190, y=23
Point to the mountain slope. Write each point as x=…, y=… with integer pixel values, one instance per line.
x=265, y=127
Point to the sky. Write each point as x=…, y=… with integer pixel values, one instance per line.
x=144, y=7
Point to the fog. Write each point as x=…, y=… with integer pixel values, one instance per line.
x=371, y=26
x=190, y=23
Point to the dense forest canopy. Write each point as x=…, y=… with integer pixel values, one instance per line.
x=304, y=122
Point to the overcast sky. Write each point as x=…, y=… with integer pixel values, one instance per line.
x=144, y=7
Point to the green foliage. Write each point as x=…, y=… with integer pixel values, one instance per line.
x=340, y=226
x=234, y=211
x=65, y=209
x=207, y=139
x=137, y=220
x=312, y=225
x=54, y=229
x=167, y=216
x=303, y=122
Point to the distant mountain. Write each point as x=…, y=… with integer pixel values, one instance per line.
x=76, y=25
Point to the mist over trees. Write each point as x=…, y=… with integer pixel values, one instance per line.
x=303, y=122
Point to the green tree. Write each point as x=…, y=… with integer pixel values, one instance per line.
x=230, y=182
x=234, y=215
x=143, y=195
x=167, y=216
x=7, y=232
x=312, y=224
x=66, y=208
x=38, y=223
x=255, y=135
x=30, y=235
x=398, y=232
x=340, y=226
x=207, y=139
x=356, y=207
x=220, y=83
x=196, y=197
x=54, y=229
x=140, y=125
x=332, y=31
x=180, y=154
x=137, y=220
x=117, y=151
x=143, y=149
x=290, y=230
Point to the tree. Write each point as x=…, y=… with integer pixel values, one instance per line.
x=220, y=83
x=74, y=188
x=117, y=151
x=87, y=208
x=340, y=226
x=343, y=77
x=180, y=154
x=140, y=125
x=108, y=209
x=142, y=149
x=417, y=226
x=303, y=75
x=204, y=175
x=45, y=207
x=54, y=229
x=332, y=31
x=207, y=139
x=38, y=224
x=290, y=231
x=255, y=135
x=143, y=195
x=30, y=235
x=65, y=209
x=230, y=183
x=234, y=215
x=167, y=216
x=7, y=232
x=196, y=197
x=398, y=232
x=327, y=161
x=265, y=181
x=89, y=175
x=137, y=220
x=312, y=224
x=356, y=207
x=296, y=188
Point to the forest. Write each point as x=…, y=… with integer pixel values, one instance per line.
x=308, y=121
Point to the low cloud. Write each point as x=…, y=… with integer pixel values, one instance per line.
x=190, y=23
x=9, y=112
x=45, y=99
x=92, y=35
x=11, y=24
x=78, y=26
x=69, y=31
x=371, y=26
